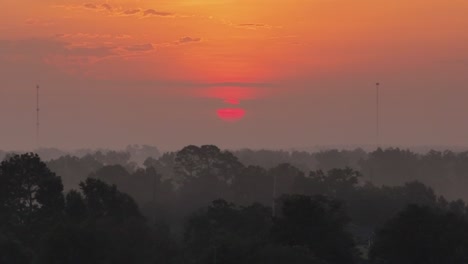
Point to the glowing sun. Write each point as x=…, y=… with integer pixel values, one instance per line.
x=231, y=114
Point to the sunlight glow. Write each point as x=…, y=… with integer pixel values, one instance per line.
x=231, y=114
x=231, y=94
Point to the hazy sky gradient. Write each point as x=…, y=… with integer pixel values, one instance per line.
x=156, y=72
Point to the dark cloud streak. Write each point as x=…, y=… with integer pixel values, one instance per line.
x=152, y=12
x=131, y=11
x=140, y=47
x=251, y=25
x=107, y=7
x=126, y=12
x=90, y=6
x=188, y=40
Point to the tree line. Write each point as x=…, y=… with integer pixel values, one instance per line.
x=203, y=205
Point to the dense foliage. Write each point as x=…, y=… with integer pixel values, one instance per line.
x=206, y=205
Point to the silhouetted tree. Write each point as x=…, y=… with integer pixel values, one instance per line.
x=319, y=220
x=252, y=185
x=30, y=195
x=111, y=157
x=75, y=207
x=422, y=235
x=280, y=254
x=391, y=166
x=317, y=223
x=12, y=251
x=74, y=170
x=331, y=159
x=205, y=174
x=194, y=162
x=225, y=232
x=164, y=165
x=104, y=226
x=263, y=158
x=103, y=200
x=139, y=154
x=74, y=244
x=338, y=183
x=112, y=174
x=285, y=175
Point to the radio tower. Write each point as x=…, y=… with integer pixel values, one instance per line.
x=377, y=121
x=37, y=115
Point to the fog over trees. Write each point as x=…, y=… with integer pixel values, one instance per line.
x=202, y=204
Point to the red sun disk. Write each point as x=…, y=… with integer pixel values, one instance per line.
x=231, y=114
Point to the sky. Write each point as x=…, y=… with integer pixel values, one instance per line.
x=235, y=73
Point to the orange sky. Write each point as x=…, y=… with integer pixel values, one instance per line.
x=268, y=48
x=236, y=40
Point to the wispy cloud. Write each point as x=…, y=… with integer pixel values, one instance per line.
x=90, y=6
x=188, y=40
x=130, y=12
x=250, y=26
x=38, y=22
x=140, y=47
x=92, y=36
x=152, y=12
x=253, y=26
x=118, y=11
x=55, y=52
x=107, y=7
x=97, y=51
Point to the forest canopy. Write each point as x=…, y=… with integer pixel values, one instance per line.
x=207, y=205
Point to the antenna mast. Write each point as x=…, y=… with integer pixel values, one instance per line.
x=377, y=123
x=37, y=115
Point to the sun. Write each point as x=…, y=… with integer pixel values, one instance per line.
x=231, y=114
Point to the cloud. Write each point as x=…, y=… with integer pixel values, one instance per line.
x=188, y=40
x=46, y=56
x=29, y=49
x=131, y=11
x=152, y=12
x=90, y=6
x=146, y=13
x=140, y=47
x=99, y=51
x=253, y=26
x=107, y=7
x=92, y=36
x=115, y=11
x=38, y=49
x=38, y=22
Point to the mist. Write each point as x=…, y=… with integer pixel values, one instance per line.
x=233, y=132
